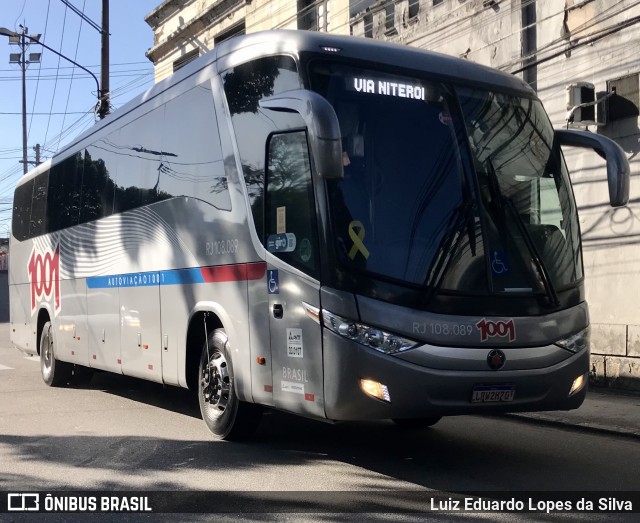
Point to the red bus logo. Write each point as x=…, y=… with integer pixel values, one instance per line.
x=501, y=329
x=44, y=276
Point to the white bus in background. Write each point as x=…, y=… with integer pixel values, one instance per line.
x=330, y=226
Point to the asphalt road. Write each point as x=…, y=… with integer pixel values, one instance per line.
x=121, y=434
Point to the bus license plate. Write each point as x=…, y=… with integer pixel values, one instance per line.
x=493, y=393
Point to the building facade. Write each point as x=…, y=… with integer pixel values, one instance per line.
x=569, y=51
x=185, y=29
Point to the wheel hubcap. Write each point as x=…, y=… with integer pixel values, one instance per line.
x=47, y=353
x=216, y=384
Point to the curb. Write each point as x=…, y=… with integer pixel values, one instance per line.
x=585, y=426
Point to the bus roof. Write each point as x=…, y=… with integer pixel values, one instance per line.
x=386, y=53
x=263, y=43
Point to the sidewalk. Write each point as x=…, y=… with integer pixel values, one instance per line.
x=607, y=410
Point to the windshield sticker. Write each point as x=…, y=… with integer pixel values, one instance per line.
x=281, y=220
x=445, y=118
x=383, y=87
x=281, y=242
x=305, y=250
x=273, y=286
x=357, y=233
x=294, y=343
x=500, y=263
x=501, y=329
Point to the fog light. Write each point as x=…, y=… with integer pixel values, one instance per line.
x=578, y=384
x=375, y=389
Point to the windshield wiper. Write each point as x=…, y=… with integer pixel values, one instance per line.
x=462, y=217
x=504, y=201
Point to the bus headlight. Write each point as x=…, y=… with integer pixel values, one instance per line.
x=576, y=343
x=367, y=335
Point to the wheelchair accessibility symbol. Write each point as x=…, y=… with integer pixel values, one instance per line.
x=499, y=263
x=273, y=285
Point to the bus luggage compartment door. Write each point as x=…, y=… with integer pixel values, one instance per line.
x=296, y=343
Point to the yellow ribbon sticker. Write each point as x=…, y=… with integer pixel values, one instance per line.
x=356, y=233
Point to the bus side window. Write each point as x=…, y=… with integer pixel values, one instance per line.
x=192, y=162
x=140, y=154
x=65, y=187
x=22, y=211
x=291, y=230
x=244, y=86
x=38, y=223
x=98, y=184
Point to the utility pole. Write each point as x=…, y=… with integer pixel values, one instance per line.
x=104, y=64
x=21, y=59
x=37, y=160
x=23, y=66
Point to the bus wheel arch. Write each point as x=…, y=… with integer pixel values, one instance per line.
x=196, y=337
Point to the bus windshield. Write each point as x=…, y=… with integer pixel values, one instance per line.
x=452, y=188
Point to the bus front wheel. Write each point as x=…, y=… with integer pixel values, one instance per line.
x=55, y=373
x=225, y=415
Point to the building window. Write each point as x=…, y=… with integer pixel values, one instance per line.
x=234, y=30
x=368, y=24
x=414, y=8
x=389, y=16
x=626, y=102
x=185, y=59
x=312, y=15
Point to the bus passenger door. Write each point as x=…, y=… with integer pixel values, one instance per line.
x=291, y=238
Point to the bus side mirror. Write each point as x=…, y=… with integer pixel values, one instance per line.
x=322, y=125
x=618, y=169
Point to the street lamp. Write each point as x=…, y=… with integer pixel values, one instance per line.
x=19, y=37
x=21, y=59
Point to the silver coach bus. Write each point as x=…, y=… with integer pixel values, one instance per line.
x=330, y=226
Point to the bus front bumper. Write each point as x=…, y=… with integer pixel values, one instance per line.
x=415, y=391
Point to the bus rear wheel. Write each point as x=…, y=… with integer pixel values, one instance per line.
x=55, y=373
x=225, y=415
x=417, y=423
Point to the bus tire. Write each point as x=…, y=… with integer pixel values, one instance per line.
x=417, y=423
x=225, y=415
x=55, y=373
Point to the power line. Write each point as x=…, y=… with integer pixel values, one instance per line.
x=35, y=95
x=80, y=76
x=82, y=16
x=55, y=86
x=612, y=30
x=94, y=66
x=75, y=58
x=40, y=114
